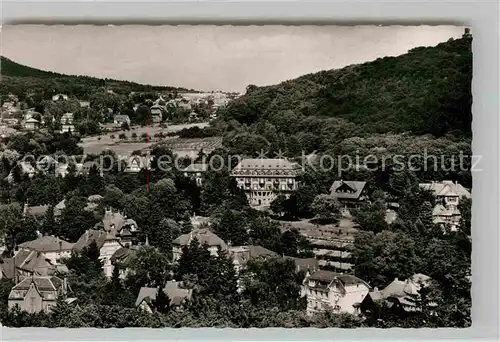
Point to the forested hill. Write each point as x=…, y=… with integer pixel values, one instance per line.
x=427, y=90
x=18, y=79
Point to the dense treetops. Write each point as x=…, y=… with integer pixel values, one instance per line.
x=427, y=90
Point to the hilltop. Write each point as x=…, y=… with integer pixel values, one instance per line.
x=18, y=79
x=425, y=91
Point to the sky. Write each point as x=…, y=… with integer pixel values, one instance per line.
x=226, y=58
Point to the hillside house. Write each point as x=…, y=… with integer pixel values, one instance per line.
x=36, y=293
x=264, y=179
x=306, y=265
x=399, y=295
x=195, y=171
x=112, y=233
x=178, y=296
x=350, y=194
x=121, y=119
x=28, y=263
x=25, y=169
x=51, y=247
x=243, y=254
x=204, y=236
x=339, y=292
x=156, y=113
x=67, y=123
x=32, y=124
x=448, y=195
x=58, y=97
x=92, y=204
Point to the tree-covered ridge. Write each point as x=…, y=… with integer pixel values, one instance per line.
x=17, y=78
x=427, y=90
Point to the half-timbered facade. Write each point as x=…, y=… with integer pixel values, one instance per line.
x=264, y=179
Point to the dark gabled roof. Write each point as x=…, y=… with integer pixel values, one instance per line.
x=329, y=276
x=355, y=188
x=122, y=254
x=43, y=283
x=171, y=289
x=304, y=264
x=99, y=236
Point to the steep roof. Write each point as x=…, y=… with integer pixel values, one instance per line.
x=99, y=236
x=446, y=188
x=171, y=289
x=43, y=283
x=122, y=255
x=242, y=254
x=399, y=288
x=351, y=189
x=47, y=244
x=329, y=276
x=305, y=264
x=203, y=235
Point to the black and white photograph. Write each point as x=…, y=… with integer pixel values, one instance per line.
x=246, y=176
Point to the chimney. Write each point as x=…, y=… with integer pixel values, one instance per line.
x=396, y=279
x=375, y=289
x=25, y=209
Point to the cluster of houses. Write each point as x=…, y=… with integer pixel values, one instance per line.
x=265, y=179
x=11, y=123
x=35, y=263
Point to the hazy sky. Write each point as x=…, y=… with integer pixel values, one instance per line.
x=209, y=57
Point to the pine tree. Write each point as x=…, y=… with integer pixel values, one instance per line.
x=161, y=303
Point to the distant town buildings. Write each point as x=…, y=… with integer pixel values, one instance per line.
x=264, y=179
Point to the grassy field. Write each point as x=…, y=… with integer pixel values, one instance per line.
x=92, y=145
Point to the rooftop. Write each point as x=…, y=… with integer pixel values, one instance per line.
x=203, y=235
x=43, y=283
x=329, y=276
x=347, y=189
x=171, y=289
x=47, y=244
x=446, y=188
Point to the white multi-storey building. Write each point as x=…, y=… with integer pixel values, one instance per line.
x=264, y=179
x=341, y=293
